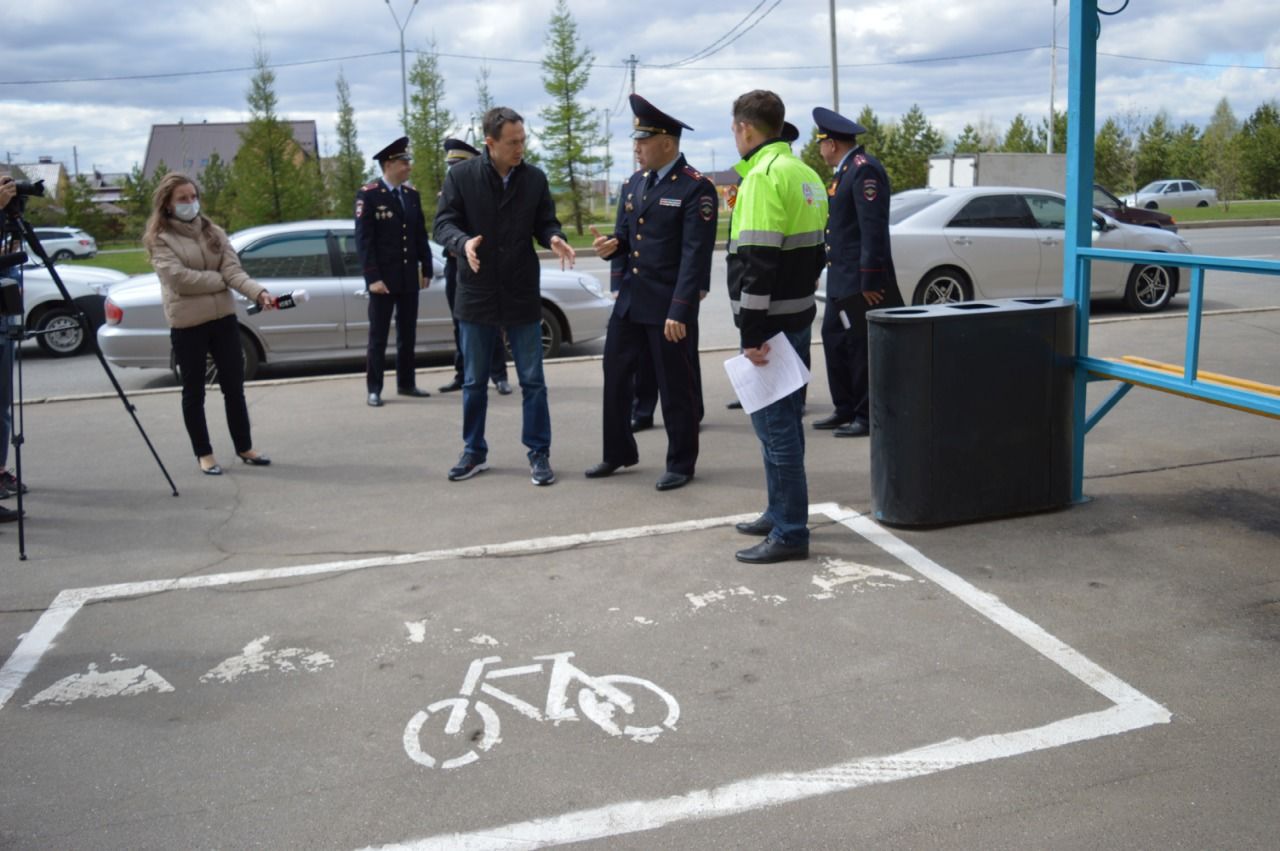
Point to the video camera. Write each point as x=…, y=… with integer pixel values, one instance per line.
x=26, y=189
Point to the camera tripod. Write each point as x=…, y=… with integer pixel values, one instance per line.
x=13, y=224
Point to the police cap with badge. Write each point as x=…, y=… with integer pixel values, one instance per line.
x=397, y=150
x=833, y=125
x=651, y=121
x=456, y=150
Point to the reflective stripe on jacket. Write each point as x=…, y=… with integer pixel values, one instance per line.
x=775, y=243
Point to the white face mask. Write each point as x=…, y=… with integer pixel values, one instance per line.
x=187, y=212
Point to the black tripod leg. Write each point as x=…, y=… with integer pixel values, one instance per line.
x=34, y=242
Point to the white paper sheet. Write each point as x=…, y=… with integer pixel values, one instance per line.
x=759, y=386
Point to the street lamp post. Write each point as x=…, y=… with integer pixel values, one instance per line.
x=404, y=80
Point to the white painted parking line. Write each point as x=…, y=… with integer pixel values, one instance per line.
x=1131, y=710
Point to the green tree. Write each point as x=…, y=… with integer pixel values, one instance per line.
x=1186, y=153
x=274, y=179
x=874, y=139
x=216, y=196
x=78, y=207
x=1222, y=153
x=1152, y=157
x=813, y=159
x=136, y=197
x=1019, y=138
x=1260, y=151
x=970, y=141
x=347, y=172
x=429, y=123
x=907, y=150
x=571, y=132
x=1112, y=158
x=1059, y=133
x=484, y=103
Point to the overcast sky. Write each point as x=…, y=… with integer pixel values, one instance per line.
x=992, y=61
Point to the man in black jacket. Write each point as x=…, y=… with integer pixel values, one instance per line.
x=491, y=209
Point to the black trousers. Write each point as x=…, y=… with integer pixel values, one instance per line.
x=405, y=307
x=647, y=383
x=856, y=343
x=627, y=344
x=221, y=339
x=497, y=361
x=842, y=364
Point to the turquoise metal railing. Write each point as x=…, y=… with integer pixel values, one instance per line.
x=1079, y=254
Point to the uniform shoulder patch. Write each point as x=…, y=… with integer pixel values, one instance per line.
x=859, y=159
x=707, y=208
x=693, y=172
x=368, y=186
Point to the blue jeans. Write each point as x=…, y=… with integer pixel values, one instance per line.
x=781, y=431
x=526, y=350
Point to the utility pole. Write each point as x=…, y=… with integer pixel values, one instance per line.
x=635, y=163
x=835, y=68
x=404, y=79
x=608, y=163
x=1053, y=73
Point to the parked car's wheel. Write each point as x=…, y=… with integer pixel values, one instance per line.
x=1150, y=288
x=945, y=285
x=1152, y=205
x=62, y=254
x=60, y=333
x=248, y=356
x=1203, y=203
x=552, y=333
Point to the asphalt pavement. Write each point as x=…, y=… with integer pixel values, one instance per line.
x=345, y=650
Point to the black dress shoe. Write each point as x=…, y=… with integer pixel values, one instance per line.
x=857, y=428
x=833, y=421
x=504, y=388
x=374, y=400
x=9, y=515
x=760, y=526
x=669, y=481
x=770, y=551
x=258, y=460
x=735, y=405
x=415, y=392
x=456, y=384
x=641, y=423
x=603, y=470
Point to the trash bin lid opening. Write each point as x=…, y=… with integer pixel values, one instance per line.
x=972, y=305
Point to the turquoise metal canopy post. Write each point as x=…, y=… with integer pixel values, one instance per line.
x=1081, y=83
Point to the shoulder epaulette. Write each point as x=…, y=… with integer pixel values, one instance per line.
x=367, y=186
x=693, y=172
x=859, y=159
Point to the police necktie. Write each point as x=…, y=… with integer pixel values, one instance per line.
x=650, y=181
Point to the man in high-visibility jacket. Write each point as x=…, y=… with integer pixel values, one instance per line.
x=775, y=258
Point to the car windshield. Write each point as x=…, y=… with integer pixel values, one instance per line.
x=907, y=204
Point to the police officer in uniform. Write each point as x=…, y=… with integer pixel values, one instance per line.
x=456, y=151
x=860, y=274
x=395, y=255
x=661, y=257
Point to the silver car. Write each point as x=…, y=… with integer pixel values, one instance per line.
x=1163, y=194
x=959, y=244
x=320, y=257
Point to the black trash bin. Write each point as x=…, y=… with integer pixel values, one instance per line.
x=970, y=409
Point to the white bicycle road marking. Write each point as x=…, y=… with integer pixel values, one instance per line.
x=121, y=682
x=599, y=698
x=256, y=659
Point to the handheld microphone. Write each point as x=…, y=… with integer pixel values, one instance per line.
x=283, y=302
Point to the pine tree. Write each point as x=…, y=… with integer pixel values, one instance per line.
x=1059, y=133
x=1112, y=158
x=1020, y=139
x=908, y=148
x=1260, y=151
x=136, y=198
x=273, y=179
x=1154, y=143
x=814, y=160
x=571, y=132
x=347, y=173
x=78, y=207
x=429, y=123
x=484, y=103
x=216, y=197
x=969, y=141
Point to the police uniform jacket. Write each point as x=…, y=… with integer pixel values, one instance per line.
x=473, y=202
x=391, y=238
x=665, y=239
x=857, y=235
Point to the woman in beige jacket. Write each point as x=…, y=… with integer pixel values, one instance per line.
x=198, y=268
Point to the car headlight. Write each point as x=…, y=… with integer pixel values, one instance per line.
x=591, y=285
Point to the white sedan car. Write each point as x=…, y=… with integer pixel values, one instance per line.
x=51, y=318
x=961, y=243
x=320, y=257
x=1164, y=194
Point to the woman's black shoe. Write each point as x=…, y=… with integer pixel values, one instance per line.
x=257, y=460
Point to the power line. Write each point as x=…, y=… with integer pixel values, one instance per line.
x=704, y=51
x=202, y=73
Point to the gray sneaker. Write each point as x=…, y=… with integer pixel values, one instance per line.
x=468, y=465
x=540, y=470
